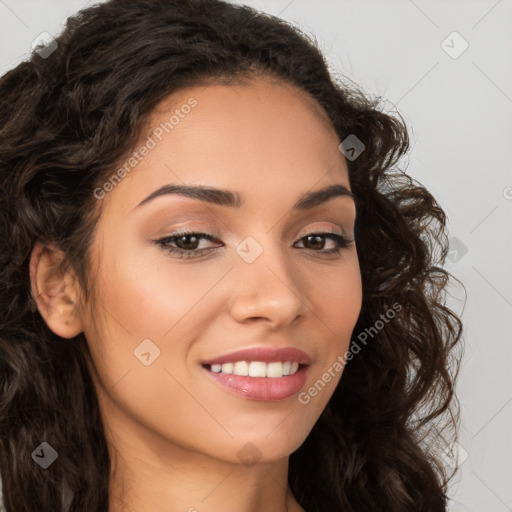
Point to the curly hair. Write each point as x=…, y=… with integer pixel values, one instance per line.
x=68, y=119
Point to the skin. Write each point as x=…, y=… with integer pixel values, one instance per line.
x=174, y=435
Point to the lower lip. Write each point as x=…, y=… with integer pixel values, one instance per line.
x=262, y=388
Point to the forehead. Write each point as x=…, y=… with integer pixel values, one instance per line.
x=263, y=138
x=263, y=110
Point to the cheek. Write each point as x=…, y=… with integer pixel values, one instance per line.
x=150, y=296
x=338, y=306
x=140, y=336
x=338, y=300
x=144, y=306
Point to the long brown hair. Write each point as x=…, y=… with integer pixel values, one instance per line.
x=69, y=115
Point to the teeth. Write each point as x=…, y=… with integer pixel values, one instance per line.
x=274, y=370
x=227, y=368
x=241, y=368
x=257, y=368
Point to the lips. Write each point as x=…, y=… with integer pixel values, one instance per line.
x=269, y=389
x=263, y=354
x=261, y=388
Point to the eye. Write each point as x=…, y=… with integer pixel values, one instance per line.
x=185, y=243
x=317, y=241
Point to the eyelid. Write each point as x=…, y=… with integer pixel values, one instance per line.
x=215, y=236
x=210, y=230
x=323, y=229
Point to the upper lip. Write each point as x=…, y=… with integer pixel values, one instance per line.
x=263, y=354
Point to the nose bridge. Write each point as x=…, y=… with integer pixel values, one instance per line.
x=267, y=285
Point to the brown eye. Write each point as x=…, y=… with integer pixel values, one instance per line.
x=185, y=244
x=316, y=241
x=186, y=241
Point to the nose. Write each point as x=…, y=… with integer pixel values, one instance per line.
x=268, y=290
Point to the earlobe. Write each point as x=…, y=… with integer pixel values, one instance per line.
x=55, y=292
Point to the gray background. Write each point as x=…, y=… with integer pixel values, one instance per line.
x=458, y=111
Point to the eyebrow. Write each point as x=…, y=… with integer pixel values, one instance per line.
x=233, y=199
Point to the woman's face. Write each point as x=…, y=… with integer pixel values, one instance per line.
x=259, y=283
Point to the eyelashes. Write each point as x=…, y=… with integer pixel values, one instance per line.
x=180, y=236
x=186, y=237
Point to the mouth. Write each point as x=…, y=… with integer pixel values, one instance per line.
x=259, y=381
x=260, y=373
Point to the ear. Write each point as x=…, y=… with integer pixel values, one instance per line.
x=56, y=293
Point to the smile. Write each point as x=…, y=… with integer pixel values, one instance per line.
x=256, y=368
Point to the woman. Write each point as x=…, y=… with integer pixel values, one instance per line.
x=217, y=291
